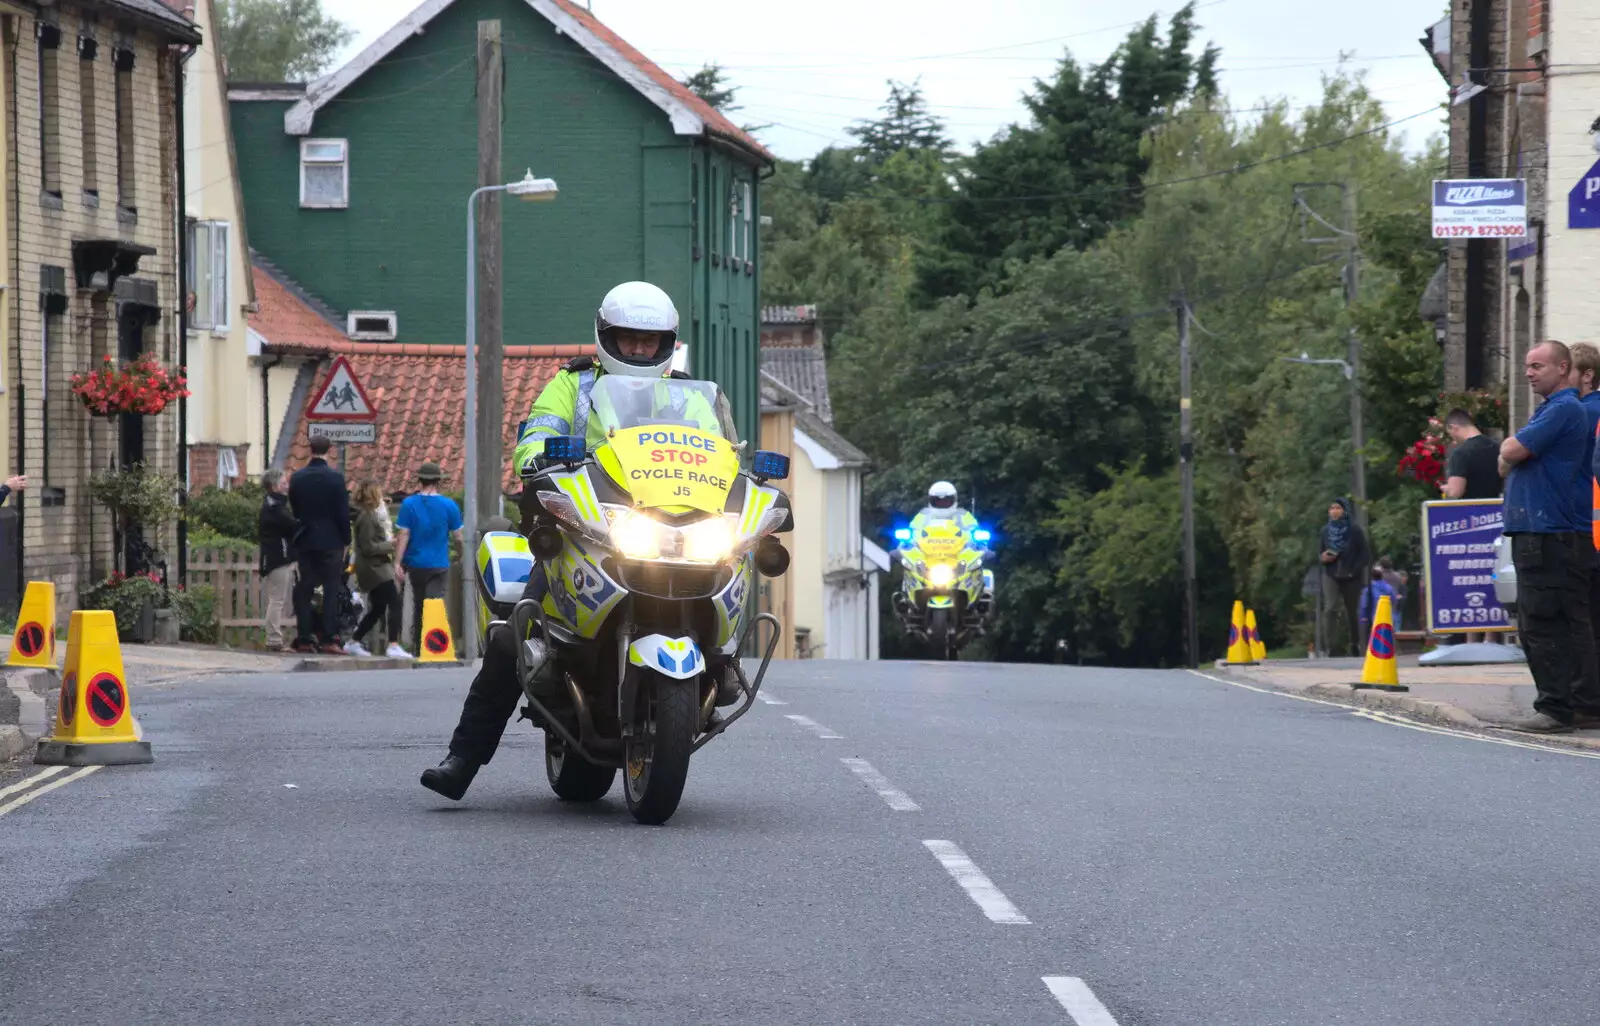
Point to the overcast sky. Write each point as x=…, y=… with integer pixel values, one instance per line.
x=801, y=71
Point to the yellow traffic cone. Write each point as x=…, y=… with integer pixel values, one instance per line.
x=1379, y=673
x=1258, y=648
x=34, y=643
x=94, y=726
x=437, y=644
x=1239, y=652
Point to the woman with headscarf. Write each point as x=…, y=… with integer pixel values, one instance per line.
x=1344, y=566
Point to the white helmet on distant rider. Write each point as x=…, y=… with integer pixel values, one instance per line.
x=942, y=495
x=636, y=330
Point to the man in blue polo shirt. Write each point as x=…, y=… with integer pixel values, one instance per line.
x=1544, y=465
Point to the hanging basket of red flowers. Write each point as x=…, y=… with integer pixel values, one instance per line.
x=140, y=386
x=1423, y=461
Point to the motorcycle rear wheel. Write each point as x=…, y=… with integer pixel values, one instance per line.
x=656, y=757
x=572, y=777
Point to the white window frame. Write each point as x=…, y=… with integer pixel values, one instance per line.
x=747, y=207
x=343, y=162
x=733, y=218
x=215, y=266
x=387, y=335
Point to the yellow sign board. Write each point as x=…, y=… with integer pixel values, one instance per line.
x=940, y=541
x=675, y=466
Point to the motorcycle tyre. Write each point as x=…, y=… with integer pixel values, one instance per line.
x=572, y=777
x=941, y=631
x=676, y=713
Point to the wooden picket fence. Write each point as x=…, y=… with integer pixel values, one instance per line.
x=235, y=576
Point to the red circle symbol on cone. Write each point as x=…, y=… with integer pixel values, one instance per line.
x=30, y=639
x=106, y=699
x=1233, y=635
x=1382, y=645
x=69, y=698
x=436, y=641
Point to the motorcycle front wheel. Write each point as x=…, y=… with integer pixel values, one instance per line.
x=572, y=777
x=656, y=756
x=941, y=634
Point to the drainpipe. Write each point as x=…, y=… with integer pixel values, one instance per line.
x=11, y=297
x=266, y=408
x=180, y=57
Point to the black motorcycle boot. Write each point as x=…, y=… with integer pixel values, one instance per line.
x=451, y=777
x=728, y=692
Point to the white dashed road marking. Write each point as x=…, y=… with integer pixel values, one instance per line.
x=770, y=699
x=46, y=789
x=813, y=726
x=898, y=800
x=1079, y=1001
x=979, y=887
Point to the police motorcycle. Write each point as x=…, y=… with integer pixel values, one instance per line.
x=640, y=557
x=946, y=595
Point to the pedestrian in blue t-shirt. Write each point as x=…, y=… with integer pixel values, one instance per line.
x=423, y=530
x=1548, y=524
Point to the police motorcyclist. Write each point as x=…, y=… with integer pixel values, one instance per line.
x=635, y=333
x=942, y=506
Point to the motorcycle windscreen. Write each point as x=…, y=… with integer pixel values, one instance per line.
x=674, y=468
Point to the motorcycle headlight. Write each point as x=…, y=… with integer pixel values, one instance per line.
x=636, y=536
x=708, y=541
x=942, y=575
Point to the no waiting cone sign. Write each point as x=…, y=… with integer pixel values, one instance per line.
x=106, y=699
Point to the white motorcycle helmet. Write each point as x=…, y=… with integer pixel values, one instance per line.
x=942, y=495
x=636, y=306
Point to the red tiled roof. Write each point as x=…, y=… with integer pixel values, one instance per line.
x=419, y=390
x=284, y=320
x=420, y=399
x=716, y=123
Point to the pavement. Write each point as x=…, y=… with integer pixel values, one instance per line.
x=1475, y=697
x=877, y=843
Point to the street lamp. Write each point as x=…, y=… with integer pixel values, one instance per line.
x=533, y=190
x=1358, y=470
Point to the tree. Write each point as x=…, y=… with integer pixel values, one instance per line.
x=711, y=85
x=906, y=124
x=1073, y=173
x=278, y=40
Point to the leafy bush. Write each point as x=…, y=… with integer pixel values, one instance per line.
x=232, y=514
x=204, y=536
x=124, y=596
x=197, y=613
x=137, y=495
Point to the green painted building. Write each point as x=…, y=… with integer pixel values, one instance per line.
x=356, y=186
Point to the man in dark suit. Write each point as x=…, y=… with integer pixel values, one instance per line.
x=322, y=506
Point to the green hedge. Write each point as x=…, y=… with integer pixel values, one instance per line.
x=235, y=513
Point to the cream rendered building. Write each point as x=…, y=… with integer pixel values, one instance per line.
x=225, y=434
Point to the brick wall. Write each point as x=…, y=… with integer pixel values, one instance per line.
x=72, y=543
x=203, y=461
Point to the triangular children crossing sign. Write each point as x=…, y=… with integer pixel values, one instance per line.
x=341, y=397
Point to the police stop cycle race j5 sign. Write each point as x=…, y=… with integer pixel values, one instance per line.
x=1480, y=208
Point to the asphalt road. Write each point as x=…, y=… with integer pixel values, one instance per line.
x=895, y=843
